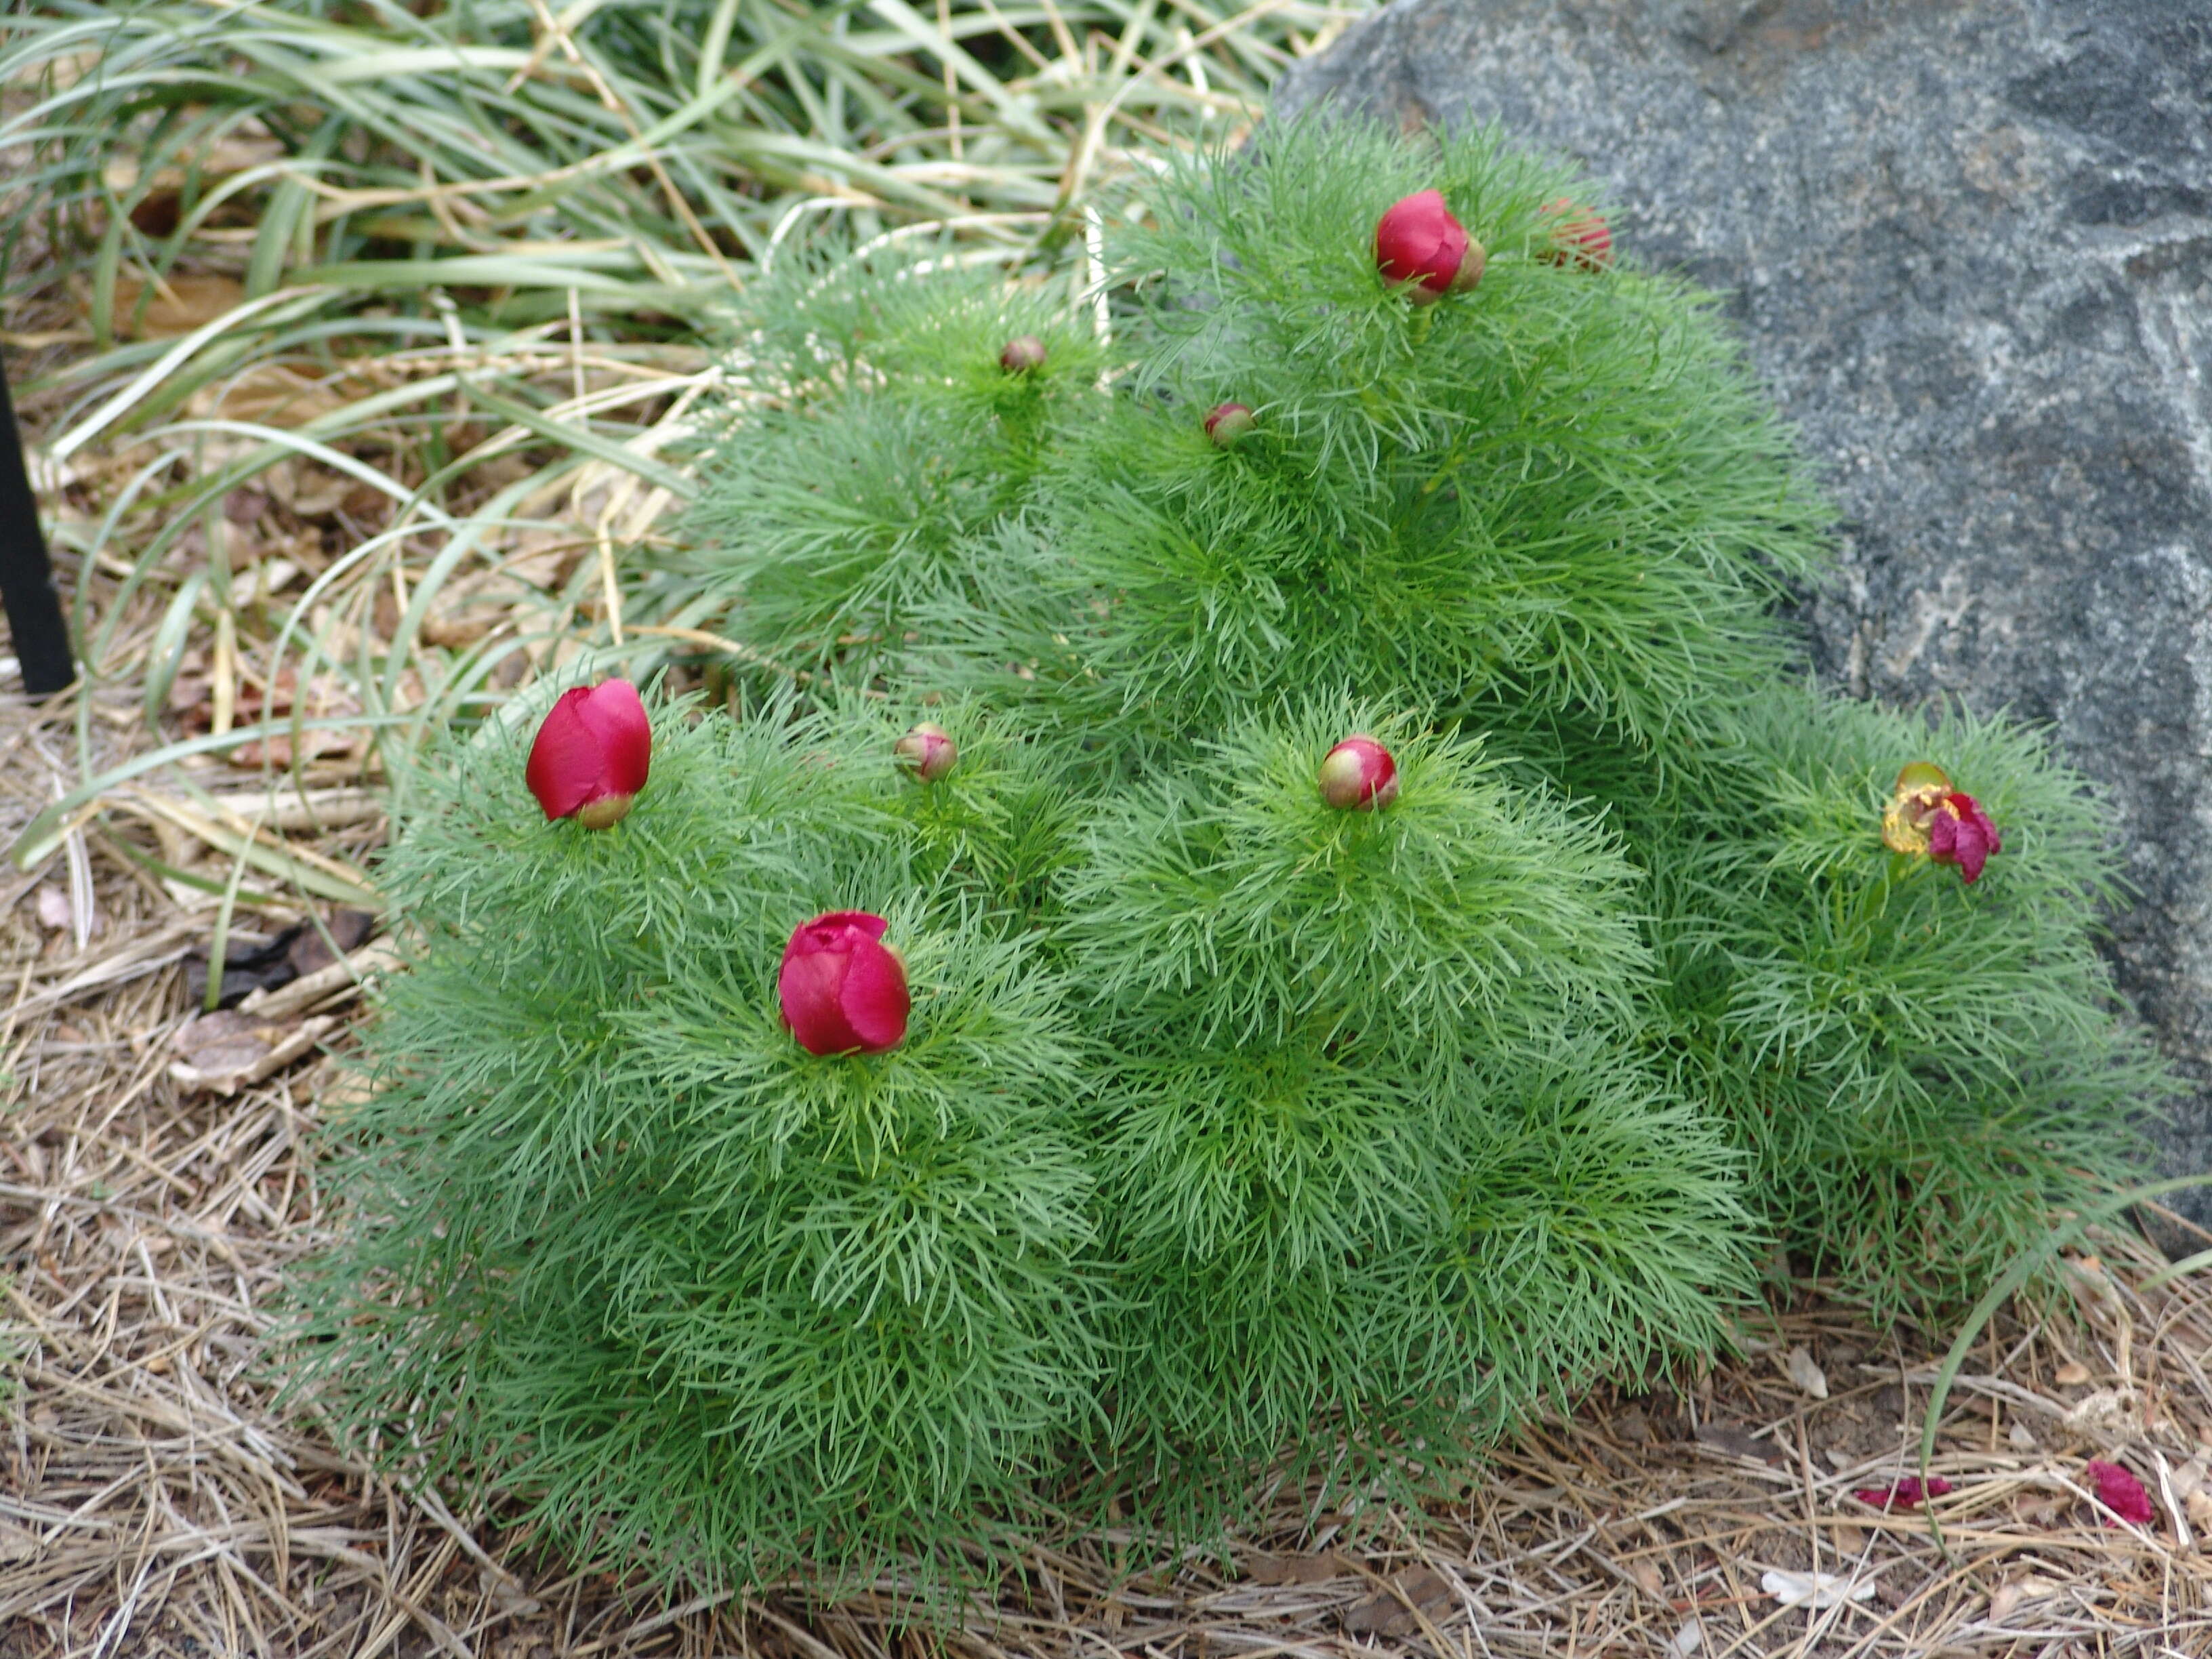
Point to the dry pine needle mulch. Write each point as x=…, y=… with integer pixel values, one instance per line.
x=151, y=1503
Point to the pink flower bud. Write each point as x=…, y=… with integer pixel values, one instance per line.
x=2120, y=1492
x=1420, y=247
x=1961, y=833
x=1359, y=774
x=1226, y=423
x=1579, y=237
x=591, y=754
x=1023, y=354
x=926, y=751
x=842, y=990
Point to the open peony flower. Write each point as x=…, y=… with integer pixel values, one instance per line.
x=2120, y=1492
x=1926, y=818
x=592, y=754
x=842, y=990
x=1358, y=775
x=1421, y=247
x=1906, y=1494
x=1961, y=833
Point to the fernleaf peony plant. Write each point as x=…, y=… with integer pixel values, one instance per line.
x=1267, y=894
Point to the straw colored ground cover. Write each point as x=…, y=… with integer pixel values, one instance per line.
x=310, y=494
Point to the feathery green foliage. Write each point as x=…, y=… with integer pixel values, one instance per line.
x=845, y=512
x=1237, y=902
x=1922, y=1068
x=664, y=1273
x=1556, y=490
x=1231, y=1128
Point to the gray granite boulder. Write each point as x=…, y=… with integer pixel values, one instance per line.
x=1971, y=246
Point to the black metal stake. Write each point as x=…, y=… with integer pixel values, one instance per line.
x=26, y=582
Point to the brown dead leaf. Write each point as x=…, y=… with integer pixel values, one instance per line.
x=306, y=488
x=2009, y=1598
x=1393, y=1612
x=282, y=753
x=248, y=145
x=255, y=968
x=223, y=1052
x=1736, y=1441
x=348, y=930
x=470, y=607
x=509, y=1595
x=326, y=697
x=180, y=303
x=1297, y=1569
x=271, y=394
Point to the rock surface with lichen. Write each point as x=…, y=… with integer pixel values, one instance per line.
x=1970, y=245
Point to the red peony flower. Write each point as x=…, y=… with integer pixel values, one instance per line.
x=592, y=754
x=1024, y=354
x=1420, y=247
x=1226, y=423
x=1961, y=833
x=1906, y=1494
x=1359, y=774
x=926, y=751
x=1579, y=237
x=2120, y=1492
x=841, y=990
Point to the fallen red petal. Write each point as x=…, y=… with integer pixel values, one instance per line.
x=2120, y=1492
x=1906, y=1494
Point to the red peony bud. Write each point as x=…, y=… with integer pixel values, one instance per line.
x=841, y=989
x=1359, y=774
x=1421, y=247
x=1226, y=423
x=2120, y=1492
x=927, y=752
x=1579, y=237
x=1961, y=833
x=1023, y=354
x=591, y=754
